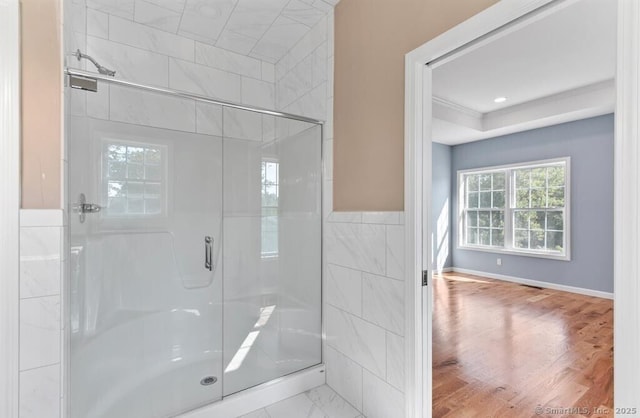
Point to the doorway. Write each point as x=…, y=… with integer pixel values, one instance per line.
x=497, y=22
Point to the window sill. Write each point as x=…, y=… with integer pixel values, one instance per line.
x=558, y=257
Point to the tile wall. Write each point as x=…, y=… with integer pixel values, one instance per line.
x=364, y=253
x=363, y=286
x=364, y=310
x=41, y=328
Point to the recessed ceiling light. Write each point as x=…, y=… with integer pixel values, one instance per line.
x=500, y=99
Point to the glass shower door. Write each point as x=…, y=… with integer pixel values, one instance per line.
x=145, y=291
x=272, y=247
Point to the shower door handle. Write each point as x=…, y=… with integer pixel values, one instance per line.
x=208, y=251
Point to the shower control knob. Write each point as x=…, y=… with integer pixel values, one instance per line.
x=90, y=208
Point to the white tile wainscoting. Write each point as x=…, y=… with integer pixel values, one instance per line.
x=363, y=306
x=364, y=310
x=42, y=265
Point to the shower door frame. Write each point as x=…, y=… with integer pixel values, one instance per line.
x=72, y=72
x=266, y=393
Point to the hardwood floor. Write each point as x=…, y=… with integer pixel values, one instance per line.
x=501, y=349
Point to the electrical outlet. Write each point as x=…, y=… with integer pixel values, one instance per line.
x=499, y=261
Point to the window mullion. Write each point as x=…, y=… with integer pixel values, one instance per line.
x=512, y=206
x=508, y=224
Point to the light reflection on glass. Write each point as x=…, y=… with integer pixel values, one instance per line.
x=245, y=347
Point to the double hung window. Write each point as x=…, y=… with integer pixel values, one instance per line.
x=521, y=208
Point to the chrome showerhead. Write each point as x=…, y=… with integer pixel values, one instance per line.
x=102, y=70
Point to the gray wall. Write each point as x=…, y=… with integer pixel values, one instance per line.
x=441, y=238
x=589, y=143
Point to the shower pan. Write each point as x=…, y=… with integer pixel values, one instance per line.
x=194, y=248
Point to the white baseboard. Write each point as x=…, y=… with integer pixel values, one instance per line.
x=529, y=282
x=444, y=270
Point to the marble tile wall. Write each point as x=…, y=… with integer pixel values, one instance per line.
x=304, y=76
x=318, y=402
x=364, y=310
x=144, y=47
x=364, y=252
x=363, y=269
x=261, y=29
x=42, y=263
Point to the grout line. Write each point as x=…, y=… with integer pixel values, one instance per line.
x=182, y=37
x=360, y=270
x=386, y=248
x=169, y=71
x=41, y=296
x=362, y=294
x=362, y=389
x=164, y=8
x=235, y=6
x=41, y=367
x=386, y=356
x=303, y=38
x=267, y=31
x=184, y=7
x=365, y=320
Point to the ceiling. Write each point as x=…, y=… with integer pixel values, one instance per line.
x=264, y=29
x=558, y=68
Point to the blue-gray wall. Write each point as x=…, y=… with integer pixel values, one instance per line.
x=441, y=207
x=589, y=143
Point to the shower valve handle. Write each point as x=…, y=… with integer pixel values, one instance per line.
x=82, y=207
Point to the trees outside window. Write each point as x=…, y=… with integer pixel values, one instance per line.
x=519, y=208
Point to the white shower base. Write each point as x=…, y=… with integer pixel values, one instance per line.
x=151, y=365
x=263, y=395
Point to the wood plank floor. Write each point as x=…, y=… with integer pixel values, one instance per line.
x=501, y=350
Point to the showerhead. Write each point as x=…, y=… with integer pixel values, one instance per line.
x=102, y=70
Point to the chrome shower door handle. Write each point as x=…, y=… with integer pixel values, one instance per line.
x=208, y=251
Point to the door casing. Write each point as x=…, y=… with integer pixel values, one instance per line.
x=499, y=20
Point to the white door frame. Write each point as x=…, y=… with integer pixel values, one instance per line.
x=9, y=205
x=418, y=96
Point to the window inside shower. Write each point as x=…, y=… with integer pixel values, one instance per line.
x=134, y=178
x=270, y=191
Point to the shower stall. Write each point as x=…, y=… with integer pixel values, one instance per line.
x=194, y=248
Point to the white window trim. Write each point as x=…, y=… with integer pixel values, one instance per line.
x=164, y=181
x=508, y=229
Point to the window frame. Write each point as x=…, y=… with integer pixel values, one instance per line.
x=269, y=254
x=162, y=182
x=508, y=248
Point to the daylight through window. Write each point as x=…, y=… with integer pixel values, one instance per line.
x=270, y=197
x=134, y=179
x=518, y=208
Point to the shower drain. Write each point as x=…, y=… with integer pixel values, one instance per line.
x=209, y=380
